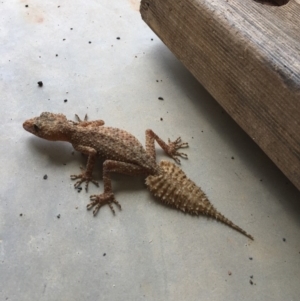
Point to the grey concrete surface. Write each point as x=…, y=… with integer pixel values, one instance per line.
x=51, y=247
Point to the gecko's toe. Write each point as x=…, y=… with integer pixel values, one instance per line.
x=98, y=201
x=83, y=178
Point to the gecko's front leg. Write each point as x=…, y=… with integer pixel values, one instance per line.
x=107, y=197
x=86, y=175
x=86, y=123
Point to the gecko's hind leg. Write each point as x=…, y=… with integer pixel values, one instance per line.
x=170, y=148
x=107, y=197
x=98, y=201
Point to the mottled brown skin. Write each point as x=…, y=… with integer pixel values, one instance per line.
x=123, y=153
x=172, y=186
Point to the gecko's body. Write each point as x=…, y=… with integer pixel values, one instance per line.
x=123, y=153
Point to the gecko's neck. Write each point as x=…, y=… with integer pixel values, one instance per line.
x=62, y=132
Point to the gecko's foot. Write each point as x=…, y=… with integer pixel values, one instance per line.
x=83, y=177
x=174, y=146
x=86, y=123
x=99, y=200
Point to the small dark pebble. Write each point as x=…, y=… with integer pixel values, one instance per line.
x=151, y=39
x=58, y=216
x=90, y=42
x=56, y=54
x=251, y=282
x=65, y=100
x=64, y=39
x=26, y=5
x=21, y=214
x=79, y=189
x=104, y=254
x=45, y=177
x=160, y=98
x=157, y=81
x=232, y=158
x=251, y=276
x=40, y=83
x=71, y=28
x=251, y=258
x=284, y=239
x=118, y=38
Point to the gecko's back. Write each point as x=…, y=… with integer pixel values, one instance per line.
x=113, y=143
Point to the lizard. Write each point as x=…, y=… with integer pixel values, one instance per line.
x=123, y=153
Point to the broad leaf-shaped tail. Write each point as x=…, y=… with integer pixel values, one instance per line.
x=174, y=188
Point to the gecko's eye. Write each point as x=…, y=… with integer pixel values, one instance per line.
x=36, y=128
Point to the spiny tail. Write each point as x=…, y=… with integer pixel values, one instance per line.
x=173, y=187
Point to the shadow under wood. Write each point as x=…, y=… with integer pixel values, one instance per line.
x=273, y=2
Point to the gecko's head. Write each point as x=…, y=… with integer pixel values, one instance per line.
x=48, y=126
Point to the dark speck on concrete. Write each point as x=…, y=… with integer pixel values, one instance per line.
x=58, y=216
x=160, y=98
x=65, y=100
x=118, y=38
x=45, y=177
x=40, y=83
x=284, y=239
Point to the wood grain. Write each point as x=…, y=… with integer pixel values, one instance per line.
x=247, y=55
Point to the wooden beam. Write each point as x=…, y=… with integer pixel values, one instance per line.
x=247, y=55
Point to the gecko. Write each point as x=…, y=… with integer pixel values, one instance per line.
x=123, y=153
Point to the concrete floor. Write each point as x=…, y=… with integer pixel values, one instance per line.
x=51, y=247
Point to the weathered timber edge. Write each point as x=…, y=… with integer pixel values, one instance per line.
x=247, y=55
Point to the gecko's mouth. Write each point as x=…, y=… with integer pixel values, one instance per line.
x=28, y=125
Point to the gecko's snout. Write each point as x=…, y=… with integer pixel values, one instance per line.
x=29, y=126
